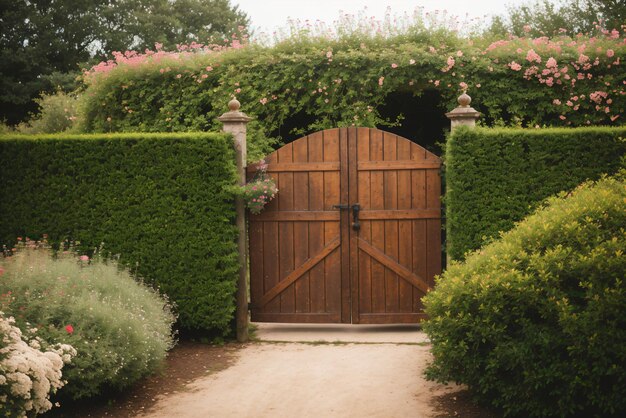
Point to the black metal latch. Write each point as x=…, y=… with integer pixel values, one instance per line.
x=355, y=216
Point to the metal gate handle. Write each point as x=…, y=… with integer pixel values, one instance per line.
x=355, y=216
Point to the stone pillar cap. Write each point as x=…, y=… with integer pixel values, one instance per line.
x=234, y=115
x=463, y=111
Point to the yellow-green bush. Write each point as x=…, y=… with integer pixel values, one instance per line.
x=535, y=322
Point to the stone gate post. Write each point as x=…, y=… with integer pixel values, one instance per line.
x=235, y=123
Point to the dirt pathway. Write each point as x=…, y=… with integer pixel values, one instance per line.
x=295, y=379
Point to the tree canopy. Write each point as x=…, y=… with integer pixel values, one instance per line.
x=41, y=38
x=549, y=17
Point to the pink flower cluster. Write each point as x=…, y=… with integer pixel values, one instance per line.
x=449, y=64
x=134, y=58
x=532, y=56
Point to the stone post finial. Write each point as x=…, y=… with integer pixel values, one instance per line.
x=464, y=99
x=234, y=104
x=463, y=115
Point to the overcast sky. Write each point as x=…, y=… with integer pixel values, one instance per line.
x=269, y=15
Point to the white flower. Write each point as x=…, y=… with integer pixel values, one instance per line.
x=29, y=373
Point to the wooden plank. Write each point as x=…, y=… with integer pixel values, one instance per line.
x=400, y=214
x=285, y=230
x=420, y=236
x=301, y=229
x=390, y=149
x=377, y=227
x=433, y=190
x=405, y=239
x=317, y=291
x=299, y=271
x=332, y=269
x=297, y=216
x=397, y=165
x=418, y=153
x=393, y=265
x=302, y=167
x=363, y=194
x=301, y=254
x=270, y=265
x=353, y=185
x=345, y=226
x=420, y=268
x=433, y=193
x=256, y=261
x=332, y=196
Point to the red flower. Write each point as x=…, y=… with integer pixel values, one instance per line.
x=69, y=329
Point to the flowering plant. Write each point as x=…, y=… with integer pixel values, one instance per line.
x=120, y=328
x=260, y=190
x=29, y=372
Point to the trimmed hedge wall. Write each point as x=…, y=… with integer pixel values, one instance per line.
x=160, y=201
x=495, y=177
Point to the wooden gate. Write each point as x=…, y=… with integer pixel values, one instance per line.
x=354, y=234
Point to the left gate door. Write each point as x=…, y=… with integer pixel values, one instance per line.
x=297, y=252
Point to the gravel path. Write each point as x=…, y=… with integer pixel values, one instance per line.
x=295, y=379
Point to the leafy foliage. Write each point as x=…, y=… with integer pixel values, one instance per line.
x=547, y=17
x=534, y=323
x=41, y=37
x=57, y=113
x=162, y=202
x=496, y=177
x=120, y=329
x=310, y=83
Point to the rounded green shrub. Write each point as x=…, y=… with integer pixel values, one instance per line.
x=535, y=323
x=57, y=113
x=120, y=329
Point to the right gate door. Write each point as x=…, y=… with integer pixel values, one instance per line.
x=355, y=234
x=395, y=251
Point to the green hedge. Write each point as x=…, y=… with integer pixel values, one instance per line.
x=495, y=177
x=535, y=322
x=160, y=201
